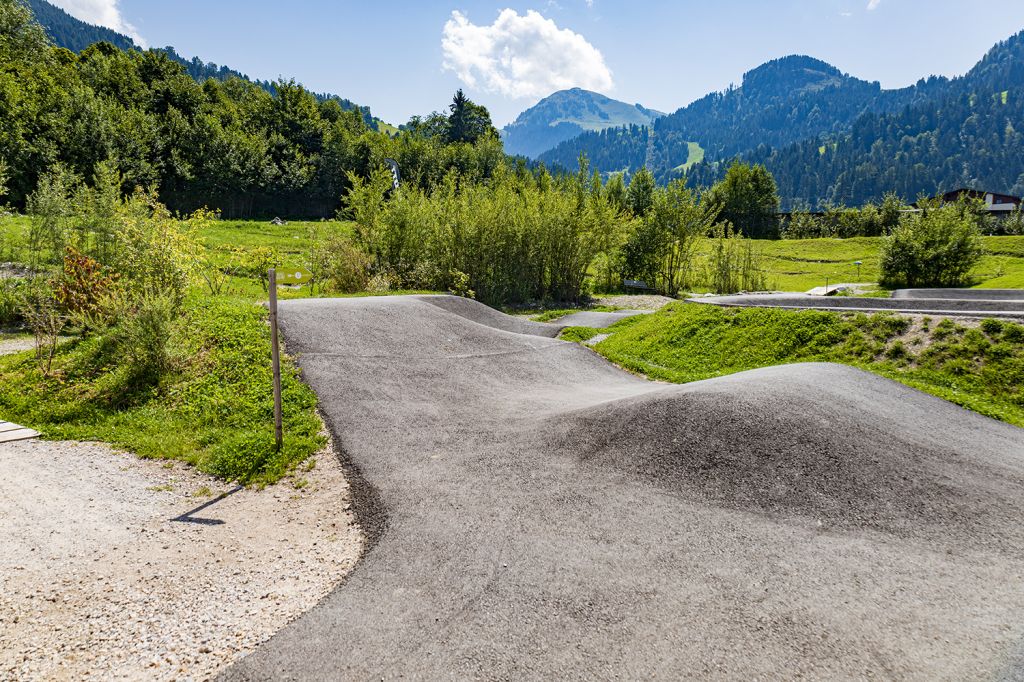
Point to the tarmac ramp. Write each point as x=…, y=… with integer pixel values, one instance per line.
x=957, y=302
x=963, y=294
x=535, y=512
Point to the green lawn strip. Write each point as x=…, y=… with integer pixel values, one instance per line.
x=551, y=315
x=979, y=368
x=214, y=411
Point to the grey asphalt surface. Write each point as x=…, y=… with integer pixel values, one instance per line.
x=962, y=305
x=536, y=513
x=962, y=294
x=588, y=318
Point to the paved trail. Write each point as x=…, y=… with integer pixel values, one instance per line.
x=1003, y=303
x=537, y=513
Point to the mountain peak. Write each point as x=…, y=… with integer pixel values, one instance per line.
x=564, y=114
x=794, y=72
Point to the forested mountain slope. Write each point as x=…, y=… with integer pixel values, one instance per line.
x=76, y=35
x=829, y=137
x=780, y=102
x=968, y=136
x=564, y=115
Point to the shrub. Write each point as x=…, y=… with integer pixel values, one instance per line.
x=992, y=327
x=51, y=211
x=144, y=334
x=338, y=265
x=86, y=291
x=156, y=254
x=734, y=264
x=934, y=248
x=45, y=317
x=517, y=238
x=256, y=262
x=11, y=293
x=460, y=285
x=1013, y=333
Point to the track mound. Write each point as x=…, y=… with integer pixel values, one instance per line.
x=830, y=444
x=538, y=513
x=485, y=315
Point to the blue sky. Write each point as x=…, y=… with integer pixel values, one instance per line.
x=403, y=58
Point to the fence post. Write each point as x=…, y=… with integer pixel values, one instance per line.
x=275, y=354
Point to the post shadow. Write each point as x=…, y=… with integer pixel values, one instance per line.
x=188, y=517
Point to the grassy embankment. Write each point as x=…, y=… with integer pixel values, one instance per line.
x=980, y=368
x=214, y=407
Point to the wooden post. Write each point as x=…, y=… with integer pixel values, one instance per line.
x=275, y=354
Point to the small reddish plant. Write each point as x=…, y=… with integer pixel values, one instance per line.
x=84, y=289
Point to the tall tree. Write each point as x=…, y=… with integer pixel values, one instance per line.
x=468, y=121
x=748, y=198
x=22, y=39
x=640, y=195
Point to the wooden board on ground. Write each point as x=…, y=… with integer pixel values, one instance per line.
x=11, y=432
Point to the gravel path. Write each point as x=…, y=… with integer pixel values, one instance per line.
x=15, y=344
x=100, y=578
x=635, y=301
x=536, y=513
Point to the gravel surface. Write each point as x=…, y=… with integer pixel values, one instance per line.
x=635, y=301
x=102, y=578
x=15, y=344
x=535, y=512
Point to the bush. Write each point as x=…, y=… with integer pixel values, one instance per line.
x=86, y=291
x=517, y=238
x=45, y=317
x=156, y=254
x=935, y=248
x=11, y=293
x=734, y=264
x=51, y=209
x=144, y=334
x=338, y=265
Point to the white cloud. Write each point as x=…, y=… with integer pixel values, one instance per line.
x=872, y=4
x=522, y=56
x=101, y=13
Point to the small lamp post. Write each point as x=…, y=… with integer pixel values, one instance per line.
x=858, y=264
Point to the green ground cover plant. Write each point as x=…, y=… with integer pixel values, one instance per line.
x=979, y=367
x=212, y=407
x=160, y=361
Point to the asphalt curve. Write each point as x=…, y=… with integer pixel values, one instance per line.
x=952, y=302
x=534, y=512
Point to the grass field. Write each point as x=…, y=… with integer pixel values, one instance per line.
x=981, y=368
x=791, y=265
x=802, y=264
x=695, y=154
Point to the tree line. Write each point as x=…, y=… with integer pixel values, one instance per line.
x=230, y=145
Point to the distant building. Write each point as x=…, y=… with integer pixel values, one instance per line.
x=998, y=204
